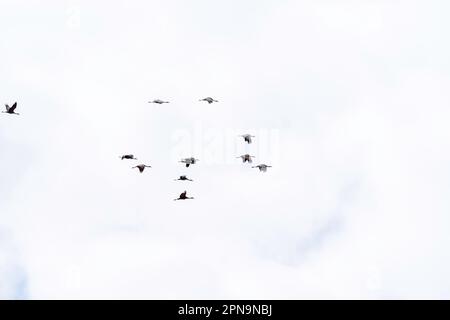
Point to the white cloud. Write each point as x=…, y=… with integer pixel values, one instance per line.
x=355, y=102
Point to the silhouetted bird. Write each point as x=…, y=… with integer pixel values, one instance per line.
x=189, y=161
x=246, y=158
x=183, y=197
x=183, y=178
x=209, y=100
x=158, y=101
x=128, y=156
x=247, y=138
x=10, y=110
x=141, y=167
x=262, y=167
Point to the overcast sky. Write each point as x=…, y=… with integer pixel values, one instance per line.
x=349, y=101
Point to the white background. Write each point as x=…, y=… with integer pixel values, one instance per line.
x=349, y=101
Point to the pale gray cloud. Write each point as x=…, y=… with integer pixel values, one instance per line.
x=348, y=100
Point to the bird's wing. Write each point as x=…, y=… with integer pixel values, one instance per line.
x=13, y=107
x=7, y=107
x=183, y=194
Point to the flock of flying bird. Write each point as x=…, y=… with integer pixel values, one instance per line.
x=187, y=161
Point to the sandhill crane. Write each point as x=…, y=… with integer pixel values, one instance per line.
x=246, y=158
x=183, y=178
x=10, y=110
x=209, y=100
x=141, y=167
x=158, y=101
x=189, y=161
x=128, y=156
x=262, y=167
x=247, y=138
x=183, y=197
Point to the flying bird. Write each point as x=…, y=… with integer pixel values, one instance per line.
x=141, y=167
x=246, y=158
x=183, y=197
x=189, y=161
x=262, y=167
x=209, y=100
x=183, y=178
x=10, y=110
x=128, y=156
x=247, y=138
x=158, y=101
